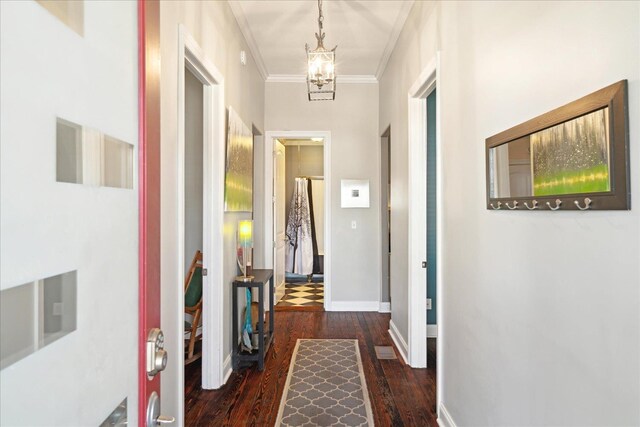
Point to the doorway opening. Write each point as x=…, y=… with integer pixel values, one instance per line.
x=193, y=214
x=385, y=221
x=200, y=165
x=425, y=225
x=301, y=159
x=299, y=223
x=432, y=229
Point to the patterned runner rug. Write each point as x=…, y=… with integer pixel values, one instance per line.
x=325, y=386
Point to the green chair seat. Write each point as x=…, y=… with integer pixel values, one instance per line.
x=194, y=291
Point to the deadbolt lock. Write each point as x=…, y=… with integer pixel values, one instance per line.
x=156, y=354
x=424, y=264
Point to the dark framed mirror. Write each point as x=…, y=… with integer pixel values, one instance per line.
x=575, y=157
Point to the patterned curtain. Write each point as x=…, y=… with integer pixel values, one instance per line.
x=299, y=253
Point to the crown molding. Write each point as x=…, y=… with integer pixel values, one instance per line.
x=241, y=19
x=301, y=78
x=286, y=78
x=393, y=37
x=355, y=78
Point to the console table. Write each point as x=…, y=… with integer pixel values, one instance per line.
x=265, y=338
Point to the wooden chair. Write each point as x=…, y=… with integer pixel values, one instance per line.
x=193, y=306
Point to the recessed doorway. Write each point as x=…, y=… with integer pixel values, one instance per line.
x=297, y=207
x=193, y=214
x=199, y=217
x=425, y=225
x=299, y=223
x=385, y=221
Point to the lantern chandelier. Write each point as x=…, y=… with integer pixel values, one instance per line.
x=321, y=70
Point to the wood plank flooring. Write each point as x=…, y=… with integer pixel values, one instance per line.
x=399, y=394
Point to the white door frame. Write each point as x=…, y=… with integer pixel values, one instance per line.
x=190, y=55
x=423, y=86
x=269, y=255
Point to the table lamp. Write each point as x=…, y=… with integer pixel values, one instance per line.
x=245, y=244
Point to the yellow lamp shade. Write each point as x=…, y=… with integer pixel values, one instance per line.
x=245, y=233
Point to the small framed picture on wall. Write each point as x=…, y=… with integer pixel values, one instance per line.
x=355, y=193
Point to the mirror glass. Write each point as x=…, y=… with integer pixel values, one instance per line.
x=570, y=158
x=35, y=314
x=68, y=152
x=117, y=163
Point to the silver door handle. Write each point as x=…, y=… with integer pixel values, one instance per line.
x=153, y=412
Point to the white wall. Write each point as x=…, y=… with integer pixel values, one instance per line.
x=352, y=120
x=541, y=310
x=214, y=28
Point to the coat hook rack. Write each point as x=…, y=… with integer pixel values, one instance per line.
x=587, y=204
x=572, y=141
x=557, y=206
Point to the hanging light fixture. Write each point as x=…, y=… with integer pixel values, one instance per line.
x=321, y=69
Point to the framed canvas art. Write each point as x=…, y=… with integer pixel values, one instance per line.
x=238, y=182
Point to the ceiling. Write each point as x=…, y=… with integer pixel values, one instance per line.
x=365, y=32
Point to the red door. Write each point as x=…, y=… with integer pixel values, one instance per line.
x=149, y=197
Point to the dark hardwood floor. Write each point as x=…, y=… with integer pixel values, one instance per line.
x=399, y=394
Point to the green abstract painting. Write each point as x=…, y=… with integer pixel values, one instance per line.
x=572, y=157
x=238, y=183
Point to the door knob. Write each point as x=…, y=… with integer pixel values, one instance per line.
x=153, y=412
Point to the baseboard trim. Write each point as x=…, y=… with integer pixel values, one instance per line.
x=444, y=418
x=400, y=343
x=432, y=331
x=354, y=306
x=226, y=369
x=385, y=307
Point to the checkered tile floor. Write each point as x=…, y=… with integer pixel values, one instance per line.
x=303, y=295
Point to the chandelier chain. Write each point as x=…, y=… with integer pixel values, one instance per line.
x=320, y=35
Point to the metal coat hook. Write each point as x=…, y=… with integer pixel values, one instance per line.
x=558, y=203
x=496, y=208
x=515, y=205
x=534, y=205
x=587, y=204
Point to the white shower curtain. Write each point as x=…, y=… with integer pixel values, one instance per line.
x=299, y=254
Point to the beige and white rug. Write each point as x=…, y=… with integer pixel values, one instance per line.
x=325, y=386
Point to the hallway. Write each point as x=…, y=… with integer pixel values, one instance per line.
x=489, y=148
x=399, y=395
